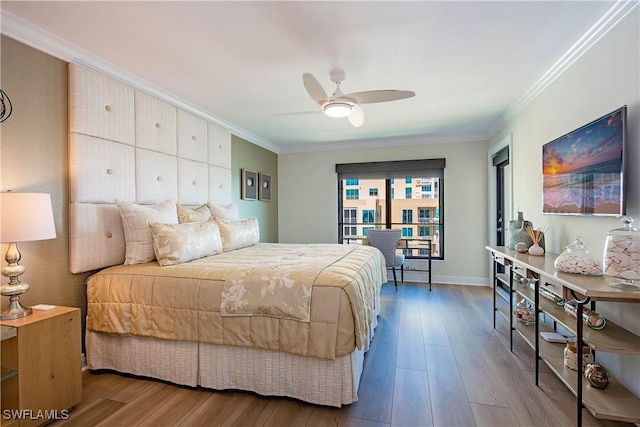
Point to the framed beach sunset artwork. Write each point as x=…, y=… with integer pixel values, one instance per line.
x=583, y=171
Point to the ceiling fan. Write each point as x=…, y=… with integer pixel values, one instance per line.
x=341, y=105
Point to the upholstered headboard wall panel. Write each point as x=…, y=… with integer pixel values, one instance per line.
x=127, y=145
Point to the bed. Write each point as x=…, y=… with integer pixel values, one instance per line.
x=199, y=300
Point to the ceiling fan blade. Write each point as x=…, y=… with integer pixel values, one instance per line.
x=314, y=89
x=356, y=118
x=373, y=96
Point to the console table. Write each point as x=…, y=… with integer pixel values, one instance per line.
x=615, y=402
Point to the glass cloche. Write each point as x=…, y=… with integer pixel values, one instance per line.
x=576, y=259
x=621, y=256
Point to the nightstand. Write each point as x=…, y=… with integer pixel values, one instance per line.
x=41, y=366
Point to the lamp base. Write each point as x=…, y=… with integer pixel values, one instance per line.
x=15, y=310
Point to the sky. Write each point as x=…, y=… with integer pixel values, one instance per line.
x=597, y=142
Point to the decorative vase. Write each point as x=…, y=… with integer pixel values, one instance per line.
x=517, y=232
x=536, y=250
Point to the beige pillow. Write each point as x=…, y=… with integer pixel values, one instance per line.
x=229, y=212
x=193, y=215
x=178, y=243
x=239, y=234
x=135, y=222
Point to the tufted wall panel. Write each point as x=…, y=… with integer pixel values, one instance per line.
x=127, y=145
x=156, y=124
x=101, y=107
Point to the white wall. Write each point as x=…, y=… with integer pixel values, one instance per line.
x=605, y=78
x=308, y=207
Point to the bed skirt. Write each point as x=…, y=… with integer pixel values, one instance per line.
x=266, y=372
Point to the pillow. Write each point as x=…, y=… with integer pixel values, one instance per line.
x=178, y=243
x=229, y=212
x=193, y=215
x=239, y=234
x=137, y=236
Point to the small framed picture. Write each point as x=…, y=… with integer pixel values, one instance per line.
x=249, y=184
x=265, y=186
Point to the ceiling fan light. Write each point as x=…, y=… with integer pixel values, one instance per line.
x=337, y=109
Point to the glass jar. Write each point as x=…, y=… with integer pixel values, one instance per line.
x=571, y=356
x=597, y=375
x=577, y=260
x=524, y=312
x=621, y=256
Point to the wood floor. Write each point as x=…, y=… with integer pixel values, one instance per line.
x=435, y=361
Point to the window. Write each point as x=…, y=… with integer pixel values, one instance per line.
x=408, y=196
x=349, y=216
x=407, y=216
x=364, y=230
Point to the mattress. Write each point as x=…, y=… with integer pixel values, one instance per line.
x=185, y=302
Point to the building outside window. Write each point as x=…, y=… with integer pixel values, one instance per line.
x=373, y=192
x=352, y=182
x=407, y=232
x=407, y=193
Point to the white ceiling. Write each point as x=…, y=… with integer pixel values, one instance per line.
x=472, y=64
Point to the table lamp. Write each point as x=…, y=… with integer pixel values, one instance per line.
x=23, y=217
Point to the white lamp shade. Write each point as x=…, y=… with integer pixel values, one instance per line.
x=25, y=217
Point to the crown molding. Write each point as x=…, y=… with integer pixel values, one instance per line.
x=50, y=44
x=607, y=22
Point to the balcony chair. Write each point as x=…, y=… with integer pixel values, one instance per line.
x=387, y=242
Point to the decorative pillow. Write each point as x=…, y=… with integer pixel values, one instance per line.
x=193, y=215
x=229, y=212
x=178, y=243
x=239, y=234
x=137, y=235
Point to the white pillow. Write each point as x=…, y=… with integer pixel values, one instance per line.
x=239, y=234
x=178, y=243
x=137, y=235
x=229, y=212
x=193, y=215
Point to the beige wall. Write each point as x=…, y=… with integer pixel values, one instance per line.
x=34, y=159
x=309, y=201
x=604, y=79
x=245, y=155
